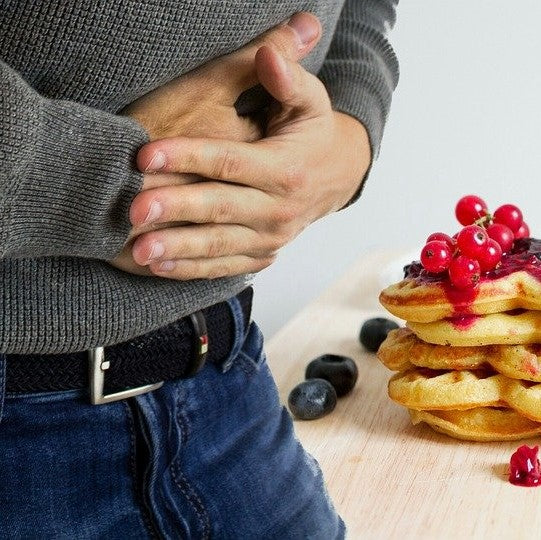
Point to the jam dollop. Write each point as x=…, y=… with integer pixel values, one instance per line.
x=524, y=256
x=524, y=468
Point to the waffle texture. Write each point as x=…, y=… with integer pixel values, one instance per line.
x=66, y=176
x=482, y=424
x=424, y=389
x=512, y=328
x=403, y=350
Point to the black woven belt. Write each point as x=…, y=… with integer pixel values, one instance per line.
x=177, y=350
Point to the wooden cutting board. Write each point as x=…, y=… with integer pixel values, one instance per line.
x=390, y=479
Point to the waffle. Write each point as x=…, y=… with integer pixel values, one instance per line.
x=513, y=328
x=426, y=389
x=403, y=350
x=469, y=361
x=423, y=302
x=479, y=424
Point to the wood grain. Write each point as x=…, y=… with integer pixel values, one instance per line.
x=390, y=479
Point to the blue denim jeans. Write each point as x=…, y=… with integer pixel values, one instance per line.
x=213, y=456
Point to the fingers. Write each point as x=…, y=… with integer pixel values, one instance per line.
x=293, y=40
x=199, y=267
x=205, y=202
x=186, y=269
x=202, y=241
x=210, y=158
x=290, y=84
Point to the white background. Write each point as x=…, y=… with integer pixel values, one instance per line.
x=466, y=118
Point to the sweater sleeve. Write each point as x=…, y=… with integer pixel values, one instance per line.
x=361, y=69
x=66, y=175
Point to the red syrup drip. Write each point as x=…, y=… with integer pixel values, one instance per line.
x=464, y=322
x=524, y=469
x=525, y=256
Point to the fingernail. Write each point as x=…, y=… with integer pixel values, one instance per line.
x=156, y=163
x=156, y=251
x=305, y=27
x=154, y=212
x=167, y=266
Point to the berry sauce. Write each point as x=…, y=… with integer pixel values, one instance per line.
x=525, y=256
x=524, y=467
x=464, y=322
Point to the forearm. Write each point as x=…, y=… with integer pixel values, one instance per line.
x=66, y=176
x=361, y=69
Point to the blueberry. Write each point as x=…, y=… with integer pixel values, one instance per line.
x=374, y=332
x=312, y=399
x=340, y=371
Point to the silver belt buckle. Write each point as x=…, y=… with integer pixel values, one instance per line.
x=98, y=365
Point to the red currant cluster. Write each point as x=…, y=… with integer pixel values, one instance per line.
x=479, y=246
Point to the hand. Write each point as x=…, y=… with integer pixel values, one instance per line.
x=260, y=195
x=202, y=104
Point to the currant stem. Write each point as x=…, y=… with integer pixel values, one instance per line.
x=483, y=221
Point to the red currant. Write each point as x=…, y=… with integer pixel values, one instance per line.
x=491, y=256
x=464, y=272
x=443, y=238
x=436, y=256
x=502, y=234
x=523, y=231
x=472, y=241
x=510, y=215
x=469, y=209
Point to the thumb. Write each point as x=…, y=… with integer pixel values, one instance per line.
x=290, y=84
x=293, y=40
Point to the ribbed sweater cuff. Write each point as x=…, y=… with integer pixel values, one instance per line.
x=74, y=197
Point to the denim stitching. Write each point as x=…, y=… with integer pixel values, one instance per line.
x=192, y=498
x=181, y=419
x=131, y=427
x=181, y=481
x=247, y=364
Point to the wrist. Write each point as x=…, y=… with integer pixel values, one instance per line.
x=358, y=153
x=354, y=131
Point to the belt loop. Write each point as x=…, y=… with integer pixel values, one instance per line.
x=2, y=383
x=238, y=325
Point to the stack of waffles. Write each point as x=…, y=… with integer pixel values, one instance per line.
x=469, y=362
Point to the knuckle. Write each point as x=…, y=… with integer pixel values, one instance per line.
x=284, y=39
x=175, y=209
x=218, y=245
x=293, y=180
x=227, y=165
x=222, y=210
x=189, y=159
x=282, y=216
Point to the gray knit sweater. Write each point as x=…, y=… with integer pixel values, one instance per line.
x=66, y=157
